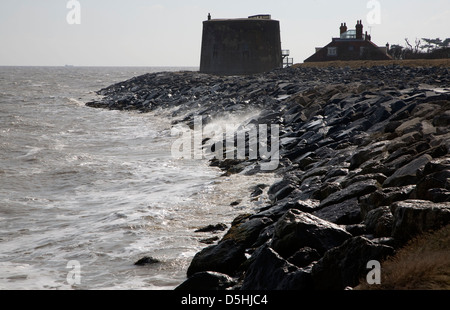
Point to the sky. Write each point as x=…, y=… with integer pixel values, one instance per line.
x=169, y=32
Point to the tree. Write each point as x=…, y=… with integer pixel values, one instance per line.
x=423, y=48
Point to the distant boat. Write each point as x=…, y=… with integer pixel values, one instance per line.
x=69, y=66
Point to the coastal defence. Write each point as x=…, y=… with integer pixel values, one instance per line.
x=364, y=162
x=241, y=46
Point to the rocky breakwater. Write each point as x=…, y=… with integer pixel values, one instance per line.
x=364, y=168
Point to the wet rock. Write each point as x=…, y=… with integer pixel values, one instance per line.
x=343, y=266
x=297, y=229
x=225, y=257
x=207, y=281
x=246, y=232
x=269, y=271
x=304, y=257
x=212, y=228
x=407, y=174
x=281, y=189
x=210, y=240
x=258, y=190
x=147, y=260
x=412, y=217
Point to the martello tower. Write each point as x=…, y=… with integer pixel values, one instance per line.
x=241, y=46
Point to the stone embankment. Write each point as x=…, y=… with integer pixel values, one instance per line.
x=364, y=168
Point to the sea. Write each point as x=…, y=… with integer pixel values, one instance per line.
x=85, y=192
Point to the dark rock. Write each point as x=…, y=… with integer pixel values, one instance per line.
x=354, y=190
x=257, y=190
x=308, y=205
x=269, y=271
x=281, y=189
x=297, y=229
x=207, y=281
x=360, y=157
x=344, y=213
x=380, y=222
x=360, y=176
x=407, y=174
x=282, y=193
x=225, y=257
x=304, y=257
x=326, y=190
x=413, y=217
x=212, y=228
x=442, y=120
x=438, y=195
x=146, y=260
x=384, y=197
x=210, y=240
x=344, y=265
x=434, y=186
x=389, y=241
x=246, y=232
x=356, y=229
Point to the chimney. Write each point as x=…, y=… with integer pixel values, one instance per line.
x=343, y=28
x=359, y=30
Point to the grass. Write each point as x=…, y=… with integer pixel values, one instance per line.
x=423, y=264
x=373, y=63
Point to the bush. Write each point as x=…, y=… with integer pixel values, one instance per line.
x=423, y=264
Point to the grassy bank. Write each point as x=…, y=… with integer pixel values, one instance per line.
x=423, y=264
x=373, y=63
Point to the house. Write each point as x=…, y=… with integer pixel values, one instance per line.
x=352, y=44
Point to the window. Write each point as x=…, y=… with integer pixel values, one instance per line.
x=332, y=51
x=351, y=34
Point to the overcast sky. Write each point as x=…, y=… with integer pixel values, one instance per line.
x=168, y=33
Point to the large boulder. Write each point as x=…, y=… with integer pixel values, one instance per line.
x=413, y=217
x=379, y=221
x=206, y=281
x=229, y=253
x=297, y=229
x=269, y=271
x=408, y=174
x=246, y=231
x=225, y=257
x=357, y=189
x=344, y=213
x=344, y=265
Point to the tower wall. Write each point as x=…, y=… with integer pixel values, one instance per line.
x=240, y=46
